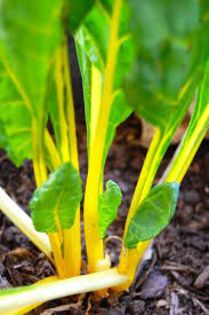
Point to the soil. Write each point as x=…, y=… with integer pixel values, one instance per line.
x=175, y=278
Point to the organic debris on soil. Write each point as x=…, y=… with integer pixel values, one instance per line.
x=175, y=280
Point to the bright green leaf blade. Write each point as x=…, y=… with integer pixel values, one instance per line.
x=3, y=137
x=29, y=35
x=57, y=200
x=76, y=12
x=92, y=48
x=170, y=44
x=16, y=121
x=194, y=135
x=120, y=111
x=108, y=206
x=85, y=68
x=202, y=103
x=93, y=36
x=51, y=101
x=153, y=214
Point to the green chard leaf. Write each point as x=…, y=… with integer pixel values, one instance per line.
x=76, y=12
x=51, y=101
x=153, y=214
x=201, y=107
x=28, y=38
x=109, y=202
x=170, y=45
x=57, y=200
x=92, y=39
x=30, y=32
x=15, y=120
x=3, y=138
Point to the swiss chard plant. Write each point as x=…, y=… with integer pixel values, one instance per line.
x=149, y=57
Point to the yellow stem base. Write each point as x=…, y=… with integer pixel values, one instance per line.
x=128, y=265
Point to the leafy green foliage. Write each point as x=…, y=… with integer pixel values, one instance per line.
x=51, y=101
x=170, y=44
x=56, y=201
x=153, y=214
x=28, y=39
x=202, y=104
x=15, y=121
x=3, y=140
x=196, y=130
x=92, y=40
x=148, y=56
x=76, y=12
x=108, y=205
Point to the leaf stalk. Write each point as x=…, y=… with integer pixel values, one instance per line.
x=95, y=250
x=41, y=293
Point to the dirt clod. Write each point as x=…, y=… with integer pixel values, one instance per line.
x=154, y=286
x=202, y=279
x=192, y=197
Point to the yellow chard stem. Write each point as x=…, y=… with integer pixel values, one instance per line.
x=193, y=136
x=129, y=259
x=187, y=150
x=56, y=248
x=95, y=251
x=52, y=150
x=26, y=309
x=24, y=223
x=174, y=173
x=53, y=289
x=72, y=236
x=147, y=175
x=96, y=94
x=40, y=172
x=61, y=108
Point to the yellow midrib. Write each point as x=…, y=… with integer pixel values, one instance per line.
x=60, y=103
x=95, y=101
x=72, y=236
x=177, y=173
x=39, y=166
x=94, y=243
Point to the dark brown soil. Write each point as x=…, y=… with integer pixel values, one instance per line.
x=175, y=280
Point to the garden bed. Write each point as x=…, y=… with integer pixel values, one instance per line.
x=175, y=280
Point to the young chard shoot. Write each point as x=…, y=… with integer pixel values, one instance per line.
x=149, y=57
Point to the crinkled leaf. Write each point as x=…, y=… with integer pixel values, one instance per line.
x=170, y=41
x=153, y=214
x=108, y=206
x=57, y=199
